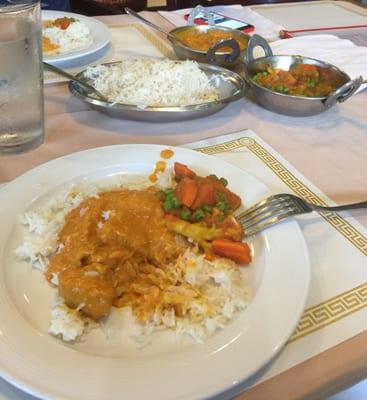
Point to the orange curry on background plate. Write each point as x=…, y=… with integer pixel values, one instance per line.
x=49, y=47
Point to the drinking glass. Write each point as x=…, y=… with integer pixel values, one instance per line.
x=21, y=76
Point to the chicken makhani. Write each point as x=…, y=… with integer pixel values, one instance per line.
x=160, y=253
x=113, y=247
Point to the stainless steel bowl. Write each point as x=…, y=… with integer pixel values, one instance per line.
x=290, y=104
x=230, y=86
x=227, y=59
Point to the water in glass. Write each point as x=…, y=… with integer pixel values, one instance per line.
x=21, y=77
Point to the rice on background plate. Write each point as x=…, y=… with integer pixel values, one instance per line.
x=55, y=40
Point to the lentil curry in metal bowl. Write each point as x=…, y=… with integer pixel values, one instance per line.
x=206, y=44
x=203, y=40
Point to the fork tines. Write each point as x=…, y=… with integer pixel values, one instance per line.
x=269, y=211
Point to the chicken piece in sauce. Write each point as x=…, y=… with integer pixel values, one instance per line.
x=105, y=243
x=88, y=288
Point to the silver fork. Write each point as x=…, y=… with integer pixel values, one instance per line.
x=275, y=208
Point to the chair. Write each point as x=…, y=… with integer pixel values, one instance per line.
x=105, y=7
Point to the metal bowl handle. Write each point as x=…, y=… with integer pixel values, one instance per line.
x=344, y=92
x=232, y=43
x=255, y=41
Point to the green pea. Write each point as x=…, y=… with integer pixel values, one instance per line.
x=207, y=208
x=198, y=215
x=168, y=191
x=222, y=205
x=224, y=181
x=185, y=214
x=167, y=204
x=176, y=202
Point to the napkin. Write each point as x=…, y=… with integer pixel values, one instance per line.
x=263, y=26
x=342, y=53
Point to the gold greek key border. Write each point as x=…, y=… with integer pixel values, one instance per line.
x=151, y=37
x=331, y=311
x=340, y=306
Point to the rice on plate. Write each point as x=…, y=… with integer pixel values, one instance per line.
x=182, y=288
x=153, y=82
x=64, y=35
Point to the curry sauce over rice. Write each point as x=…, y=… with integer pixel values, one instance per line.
x=168, y=254
x=115, y=250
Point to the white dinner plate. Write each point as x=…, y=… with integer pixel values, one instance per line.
x=101, y=35
x=98, y=369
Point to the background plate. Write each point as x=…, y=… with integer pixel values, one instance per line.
x=101, y=35
x=230, y=87
x=42, y=365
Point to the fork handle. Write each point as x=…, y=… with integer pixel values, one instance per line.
x=65, y=74
x=353, y=206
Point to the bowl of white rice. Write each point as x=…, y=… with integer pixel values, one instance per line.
x=159, y=90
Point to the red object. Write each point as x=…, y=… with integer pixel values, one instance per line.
x=182, y=171
x=186, y=191
x=62, y=23
x=205, y=196
x=237, y=251
x=244, y=28
x=289, y=34
x=233, y=199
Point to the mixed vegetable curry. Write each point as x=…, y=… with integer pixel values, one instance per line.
x=301, y=80
x=201, y=208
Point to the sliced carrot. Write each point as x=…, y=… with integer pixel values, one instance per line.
x=205, y=195
x=230, y=197
x=62, y=23
x=236, y=251
x=182, y=171
x=186, y=191
x=233, y=200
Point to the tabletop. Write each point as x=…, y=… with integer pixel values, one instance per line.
x=330, y=150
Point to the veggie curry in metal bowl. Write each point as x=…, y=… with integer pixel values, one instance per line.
x=301, y=80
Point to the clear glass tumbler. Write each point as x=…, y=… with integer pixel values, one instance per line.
x=21, y=76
